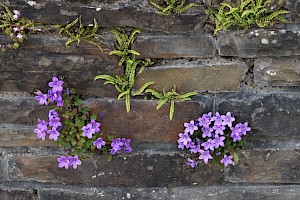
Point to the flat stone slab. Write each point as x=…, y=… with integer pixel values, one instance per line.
x=201, y=76
x=155, y=170
x=175, y=46
x=263, y=166
x=259, y=43
x=277, y=72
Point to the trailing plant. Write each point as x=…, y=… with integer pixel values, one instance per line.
x=124, y=85
x=172, y=6
x=11, y=24
x=77, y=32
x=73, y=127
x=169, y=97
x=213, y=139
x=247, y=14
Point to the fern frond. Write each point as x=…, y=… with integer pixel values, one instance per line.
x=142, y=88
x=161, y=102
x=127, y=102
x=154, y=93
x=172, y=109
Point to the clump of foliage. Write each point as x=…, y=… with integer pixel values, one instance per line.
x=172, y=6
x=169, y=97
x=247, y=14
x=73, y=127
x=11, y=24
x=123, y=43
x=124, y=85
x=77, y=32
x=213, y=139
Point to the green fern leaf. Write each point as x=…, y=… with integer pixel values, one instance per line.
x=127, y=102
x=172, y=109
x=142, y=89
x=161, y=102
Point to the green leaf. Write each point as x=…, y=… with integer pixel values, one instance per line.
x=235, y=158
x=172, y=108
x=123, y=93
x=141, y=90
x=161, y=102
x=127, y=102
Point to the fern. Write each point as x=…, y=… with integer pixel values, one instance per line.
x=247, y=14
x=77, y=32
x=124, y=85
x=123, y=43
x=171, y=96
x=172, y=6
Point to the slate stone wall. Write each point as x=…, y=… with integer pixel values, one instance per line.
x=254, y=74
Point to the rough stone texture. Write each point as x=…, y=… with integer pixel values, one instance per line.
x=259, y=42
x=12, y=135
x=18, y=195
x=153, y=171
x=175, y=46
x=124, y=15
x=144, y=122
x=237, y=192
x=294, y=7
x=106, y=194
x=202, y=76
x=23, y=106
x=266, y=167
x=270, y=115
x=277, y=72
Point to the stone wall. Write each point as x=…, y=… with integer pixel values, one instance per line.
x=255, y=75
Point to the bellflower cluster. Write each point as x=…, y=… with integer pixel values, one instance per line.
x=73, y=128
x=120, y=145
x=213, y=139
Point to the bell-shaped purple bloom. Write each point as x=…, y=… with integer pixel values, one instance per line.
x=205, y=156
x=88, y=131
x=54, y=122
x=219, y=129
x=95, y=126
x=56, y=85
x=192, y=163
x=40, y=134
x=196, y=149
x=190, y=127
x=99, y=143
x=227, y=160
x=218, y=141
x=244, y=128
x=180, y=145
x=126, y=145
x=205, y=120
x=235, y=137
x=53, y=134
x=217, y=119
x=74, y=161
x=227, y=119
x=42, y=125
x=184, y=138
x=206, y=132
x=52, y=114
x=63, y=162
x=116, y=145
x=42, y=98
x=209, y=144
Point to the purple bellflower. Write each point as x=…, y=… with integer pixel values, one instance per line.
x=99, y=143
x=190, y=127
x=227, y=160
